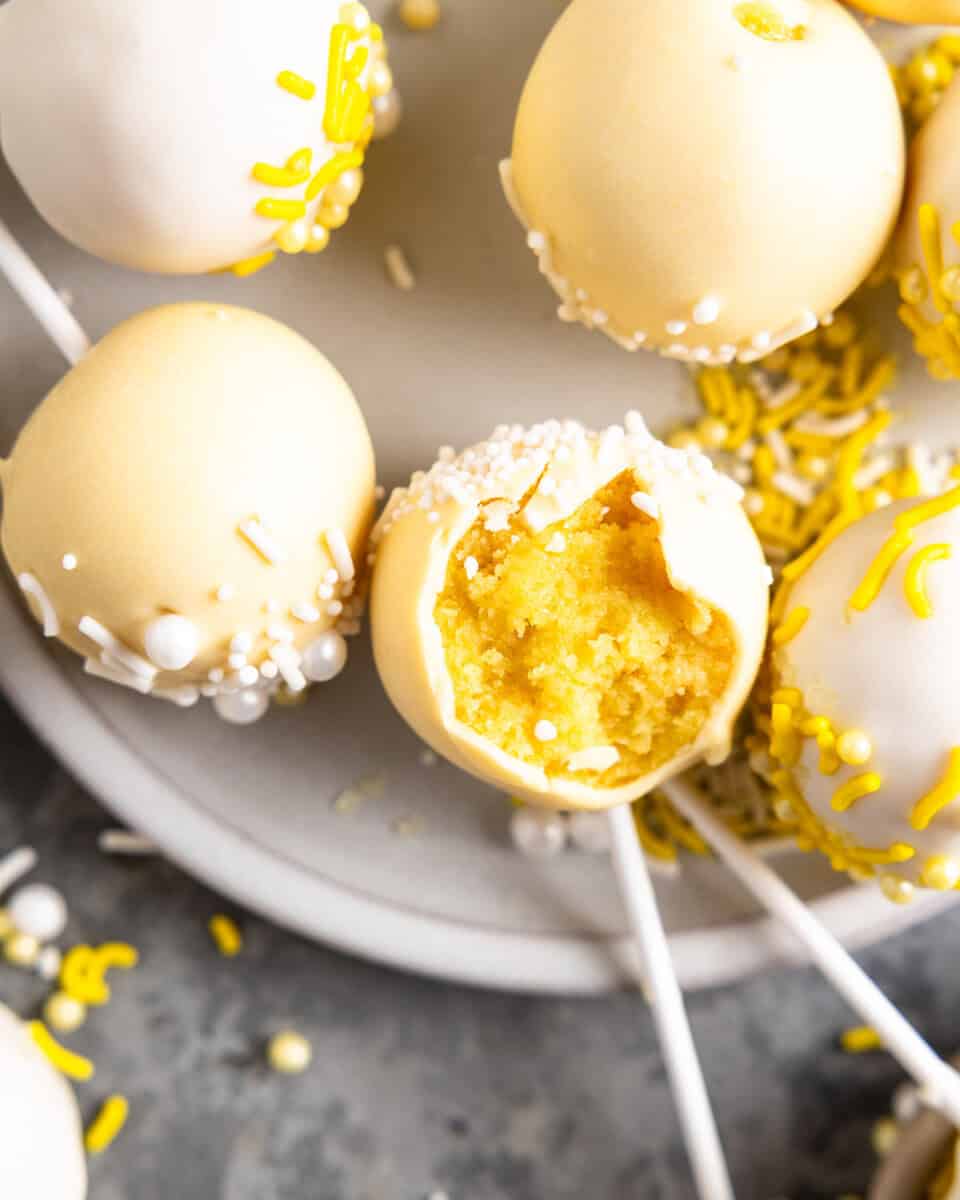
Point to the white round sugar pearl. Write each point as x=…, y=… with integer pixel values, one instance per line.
x=289, y=1052
x=590, y=832
x=538, y=832
x=544, y=731
x=48, y=963
x=242, y=708
x=171, y=642
x=64, y=1013
x=21, y=949
x=325, y=658
x=387, y=111
x=40, y=910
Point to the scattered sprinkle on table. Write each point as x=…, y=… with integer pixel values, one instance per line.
x=399, y=269
x=106, y=1125
x=860, y=1040
x=226, y=934
x=289, y=1052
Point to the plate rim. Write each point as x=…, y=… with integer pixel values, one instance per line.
x=291, y=896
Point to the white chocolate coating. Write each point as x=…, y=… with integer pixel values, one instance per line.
x=195, y=468
x=912, y=12
x=43, y=1156
x=135, y=127
x=709, y=549
x=693, y=187
x=889, y=674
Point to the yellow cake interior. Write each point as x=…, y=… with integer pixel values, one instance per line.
x=587, y=634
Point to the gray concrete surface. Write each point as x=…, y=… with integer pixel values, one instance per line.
x=418, y=1087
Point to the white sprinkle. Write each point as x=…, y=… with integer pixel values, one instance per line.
x=753, y=503
x=595, y=758
x=399, y=269
x=768, y=576
x=497, y=516
x=114, y=647
x=69, y=562
x=331, y=575
x=307, y=613
x=557, y=544
x=340, y=553
x=794, y=487
x=783, y=395
x=780, y=450
x=215, y=675
x=325, y=591
x=225, y=592
x=538, y=833
x=676, y=328
x=279, y=633
x=470, y=566
x=761, y=341
x=247, y=676
x=48, y=964
x=831, y=426
x=706, y=311
x=288, y=663
x=30, y=586
x=241, y=643
x=114, y=672
x=262, y=541
x=15, y=865
x=544, y=731
x=646, y=504
x=269, y=669
x=122, y=841
x=635, y=424
x=236, y=662
x=867, y=476
x=335, y=608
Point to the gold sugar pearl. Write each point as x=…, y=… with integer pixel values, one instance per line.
x=356, y=16
x=380, y=80
x=64, y=1013
x=940, y=873
x=318, y=240
x=684, y=439
x=854, y=747
x=923, y=105
x=929, y=69
x=913, y=286
x=950, y=283
x=713, y=432
x=292, y=238
x=332, y=216
x=420, y=15
x=21, y=949
x=289, y=1053
x=345, y=188
x=899, y=891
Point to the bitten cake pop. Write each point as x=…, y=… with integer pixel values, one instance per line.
x=706, y=178
x=42, y=1155
x=926, y=249
x=915, y=12
x=866, y=666
x=184, y=138
x=185, y=508
x=568, y=615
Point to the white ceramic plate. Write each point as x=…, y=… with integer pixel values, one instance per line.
x=424, y=877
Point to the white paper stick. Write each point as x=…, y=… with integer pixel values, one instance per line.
x=33, y=289
x=940, y=1082
x=669, y=1014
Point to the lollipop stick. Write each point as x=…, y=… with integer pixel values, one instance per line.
x=26, y=280
x=941, y=1083
x=669, y=1014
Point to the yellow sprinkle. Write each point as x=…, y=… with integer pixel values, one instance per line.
x=944, y=794
x=936, y=507
x=250, y=266
x=81, y=977
x=107, y=1124
x=793, y=570
x=792, y=626
x=860, y=1040
x=333, y=169
x=854, y=747
x=815, y=726
x=879, y=570
x=225, y=933
x=281, y=210
x=296, y=85
x=941, y=873
x=74, y=1066
x=792, y=697
x=898, y=852
x=295, y=171
x=654, y=845
x=847, y=794
x=915, y=580
x=929, y=221
x=851, y=457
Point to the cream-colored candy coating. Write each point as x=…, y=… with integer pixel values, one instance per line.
x=915, y=12
x=692, y=186
x=136, y=128
x=890, y=678
x=43, y=1156
x=709, y=549
x=185, y=507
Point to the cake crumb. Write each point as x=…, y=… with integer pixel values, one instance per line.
x=398, y=268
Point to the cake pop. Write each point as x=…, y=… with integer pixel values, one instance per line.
x=183, y=138
x=185, y=508
x=571, y=616
x=705, y=178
